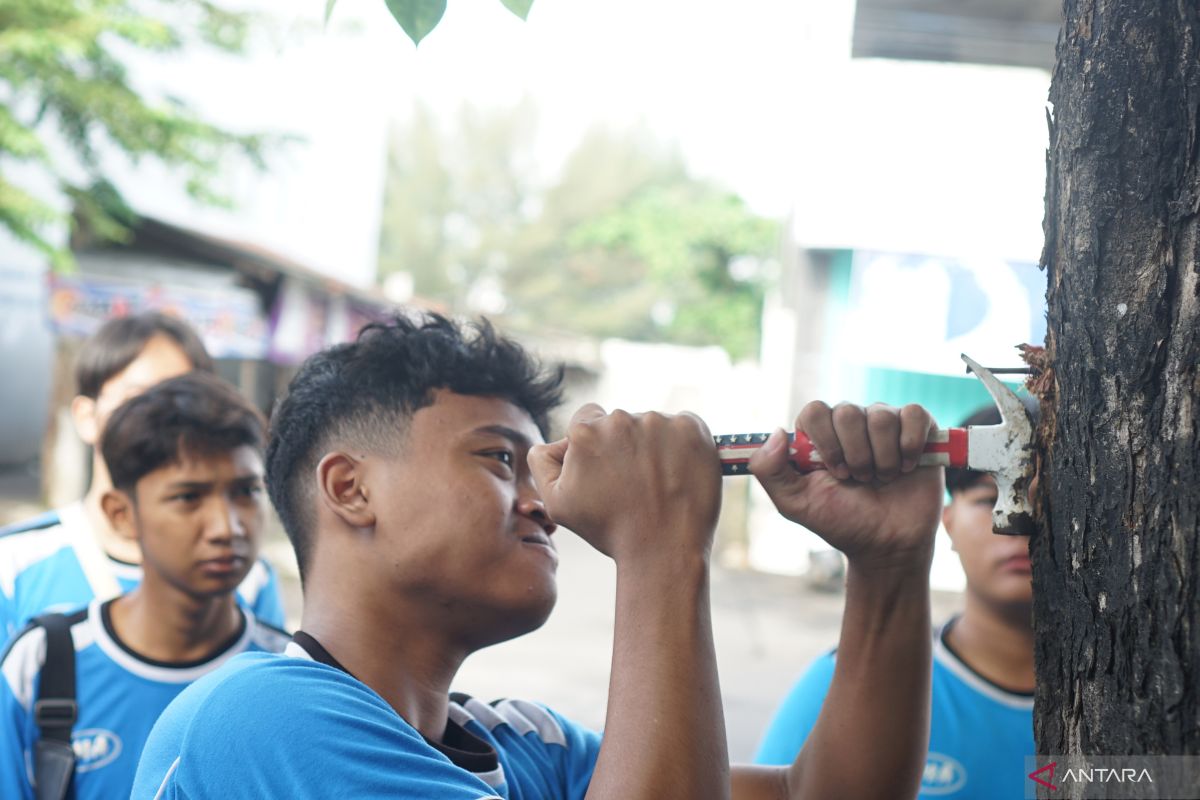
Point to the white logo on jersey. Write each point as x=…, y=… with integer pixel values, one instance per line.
x=942, y=775
x=94, y=748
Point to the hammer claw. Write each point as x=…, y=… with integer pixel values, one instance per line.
x=1005, y=451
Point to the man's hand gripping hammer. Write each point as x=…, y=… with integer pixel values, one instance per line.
x=1004, y=451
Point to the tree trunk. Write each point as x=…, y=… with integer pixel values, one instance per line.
x=1117, y=561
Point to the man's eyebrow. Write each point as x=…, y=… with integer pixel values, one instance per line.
x=512, y=434
x=188, y=485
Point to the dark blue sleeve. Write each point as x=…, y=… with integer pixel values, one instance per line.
x=796, y=715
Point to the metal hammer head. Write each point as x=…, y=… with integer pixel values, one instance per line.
x=1006, y=452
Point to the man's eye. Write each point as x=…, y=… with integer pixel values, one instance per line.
x=187, y=497
x=504, y=456
x=990, y=502
x=249, y=491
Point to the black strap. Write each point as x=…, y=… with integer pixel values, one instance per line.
x=463, y=748
x=55, y=711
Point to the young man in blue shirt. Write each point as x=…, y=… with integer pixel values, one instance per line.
x=67, y=557
x=409, y=471
x=186, y=463
x=981, y=728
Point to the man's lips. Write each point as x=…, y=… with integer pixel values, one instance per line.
x=1017, y=563
x=542, y=542
x=223, y=563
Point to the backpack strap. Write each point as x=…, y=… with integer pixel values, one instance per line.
x=55, y=711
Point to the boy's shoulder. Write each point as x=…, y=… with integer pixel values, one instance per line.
x=262, y=686
x=24, y=657
x=43, y=521
x=258, y=705
x=24, y=543
x=39, y=539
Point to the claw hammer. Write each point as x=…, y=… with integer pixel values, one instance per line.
x=1004, y=451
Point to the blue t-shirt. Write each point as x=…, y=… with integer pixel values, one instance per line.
x=54, y=563
x=291, y=726
x=979, y=734
x=119, y=696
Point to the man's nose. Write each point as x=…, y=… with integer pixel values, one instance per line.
x=223, y=521
x=530, y=504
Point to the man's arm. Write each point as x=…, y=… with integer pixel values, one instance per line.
x=878, y=508
x=645, y=490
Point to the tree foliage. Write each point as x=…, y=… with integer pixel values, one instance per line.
x=68, y=100
x=622, y=242
x=418, y=18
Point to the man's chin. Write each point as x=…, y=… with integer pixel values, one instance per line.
x=518, y=620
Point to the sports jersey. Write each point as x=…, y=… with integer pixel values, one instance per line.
x=299, y=726
x=54, y=563
x=979, y=733
x=119, y=695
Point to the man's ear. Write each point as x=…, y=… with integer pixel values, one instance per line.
x=948, y=523
x=83, y=412
x=118, y=507
x=341, y=489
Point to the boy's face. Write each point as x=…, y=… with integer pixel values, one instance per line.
x=199, y=521
x=160, y=359
x=459, y=525
x=997, y=567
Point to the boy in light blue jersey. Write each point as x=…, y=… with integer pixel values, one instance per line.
x=186, y=465
x=66, y=558
x=409, y=472
x=981, y=727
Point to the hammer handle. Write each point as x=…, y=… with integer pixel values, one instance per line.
x=946, y=448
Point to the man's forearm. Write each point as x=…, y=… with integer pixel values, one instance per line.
x=872, y=735
x=665, y=731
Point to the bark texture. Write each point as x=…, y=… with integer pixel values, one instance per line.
x=1117, y=560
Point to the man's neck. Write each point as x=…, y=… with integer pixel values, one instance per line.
x=112, y=543
x=997, y=643
x=164, y=624
x=411, y=668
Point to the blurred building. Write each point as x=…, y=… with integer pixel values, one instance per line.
x=916, y=228
x=260, y=314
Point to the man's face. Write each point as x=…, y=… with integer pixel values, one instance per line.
x=160, y=359
x=199, y=521
x=997, y=567
x=460, y=526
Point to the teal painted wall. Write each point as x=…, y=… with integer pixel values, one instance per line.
x=950, y=399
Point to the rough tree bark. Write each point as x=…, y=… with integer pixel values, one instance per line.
x=1117, y=559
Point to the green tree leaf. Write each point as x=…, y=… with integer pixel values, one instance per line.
x=329, y=4
x=63, y=74
x=518, y=7
x=417, y=17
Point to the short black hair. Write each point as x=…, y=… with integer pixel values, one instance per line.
x=357, y=391
x=196, y=413
x=959, y=480
x=119, y=341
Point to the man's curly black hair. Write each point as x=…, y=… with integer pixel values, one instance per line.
x=363, y=393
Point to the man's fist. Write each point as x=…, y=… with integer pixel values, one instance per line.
x=632, y=485
x=872, y=502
